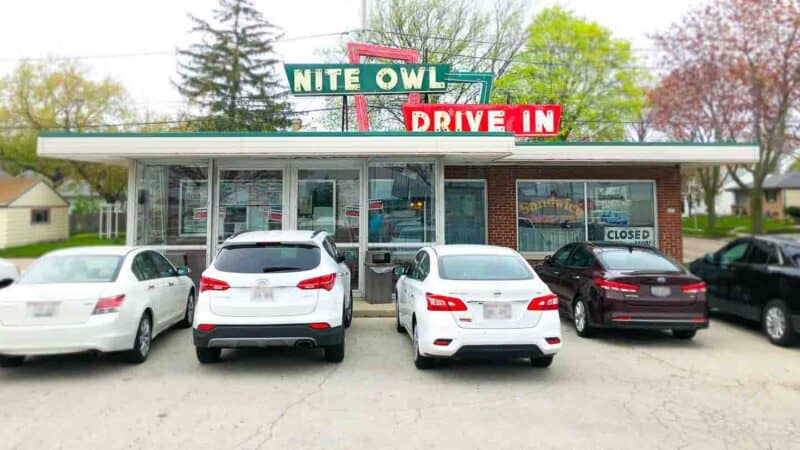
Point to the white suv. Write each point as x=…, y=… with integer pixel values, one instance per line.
x=274, y=288
x=468, y=301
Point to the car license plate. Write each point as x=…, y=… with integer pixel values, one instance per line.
x=262, y=292
x=660, y=291
x=496, y=311
x=43, y=309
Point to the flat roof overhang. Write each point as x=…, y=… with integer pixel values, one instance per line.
x=461, y=148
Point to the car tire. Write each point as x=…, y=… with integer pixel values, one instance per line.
x=684, y=334
x=143, y=342
x=348, y=312
x=400, y=328
x=188, y=317
x=206, y=355
x=335, y=353
x=8, y=362
x=776, y=323
x=421, y=362
x=580, y=318
x=542, y=361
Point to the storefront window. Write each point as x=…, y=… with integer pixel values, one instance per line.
x=622, y=211
x=401, y=203
x=250, y=200
x=172, y=205
x=328, y=200
x=550, y=214
x=465, y=212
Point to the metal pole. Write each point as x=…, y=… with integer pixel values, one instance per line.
x=344, y=113
x=425, y=61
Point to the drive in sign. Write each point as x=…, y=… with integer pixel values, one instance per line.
x=522, y=120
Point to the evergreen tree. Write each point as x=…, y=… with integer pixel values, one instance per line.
x=230, y=73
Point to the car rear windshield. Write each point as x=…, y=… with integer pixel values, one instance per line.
x=636, y=259
x=73, y=269
x=483, y=267
x=267, y=258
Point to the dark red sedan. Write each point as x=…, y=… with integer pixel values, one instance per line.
x=613, y=285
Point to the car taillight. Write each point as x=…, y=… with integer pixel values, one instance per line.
x=319, y=325
x=615, y=285
x=438, y=302
x=547, y=302
x=212, y=284
x=323, y=282
x=694, y=288
x=108, y=304
x=206, y=327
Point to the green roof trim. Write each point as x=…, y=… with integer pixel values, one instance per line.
x=297, y=134
x=634, y=144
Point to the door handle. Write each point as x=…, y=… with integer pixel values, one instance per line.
x=151, y=286
x=576, y=277
x=172, y=283
x=555, y=272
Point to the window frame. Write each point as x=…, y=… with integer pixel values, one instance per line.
x=585, y=181
x=46, y=212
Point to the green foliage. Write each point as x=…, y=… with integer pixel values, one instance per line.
x=231, y=71
x=580, y=65
x=76, y=240
x=793, y=211
x=85, y=205
x=730, y=225
x=58, y=95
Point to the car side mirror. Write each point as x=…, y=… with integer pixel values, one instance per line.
x=183, y=271
x=340, y=259
x=6, y=282
x=548, y=260
x=710, y=258
x=399, y=271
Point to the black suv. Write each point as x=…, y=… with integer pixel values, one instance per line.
x=757, y=278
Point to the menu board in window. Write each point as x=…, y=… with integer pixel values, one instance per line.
x=193, y=207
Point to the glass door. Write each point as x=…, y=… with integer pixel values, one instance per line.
x=328, y=199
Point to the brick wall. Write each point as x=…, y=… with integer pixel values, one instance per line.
x=501, y=194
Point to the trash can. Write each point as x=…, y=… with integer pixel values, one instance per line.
x=378, y=283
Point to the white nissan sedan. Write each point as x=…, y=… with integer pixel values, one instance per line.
x=476, y=301
x=103, y=299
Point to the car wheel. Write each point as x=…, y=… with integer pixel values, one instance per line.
x=208, y=355
x=776, y=324
x=335, y=353
x=11, y=361
x=400, y=328
x=541, y=361
x=144, y=339
x=188, y=318
x=580, y=317
x=684, y=334
x=421, y=362
x=348, y=312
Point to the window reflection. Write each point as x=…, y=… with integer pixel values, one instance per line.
x=550, y=214
x=401, y=203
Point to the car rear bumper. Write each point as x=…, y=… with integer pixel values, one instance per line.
x=234, y=336
x=99, y=333
x=648, y=323
x=495, y=343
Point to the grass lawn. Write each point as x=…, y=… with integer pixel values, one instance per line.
x=696, y=226
x=76, y=240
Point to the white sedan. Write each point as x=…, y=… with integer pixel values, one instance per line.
x=103, y=299
x=8, y=273
x=476, y=301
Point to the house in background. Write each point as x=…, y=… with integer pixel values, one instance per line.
x=780, y=192
x=31, y=211
x=694, y=204
x=80, y=196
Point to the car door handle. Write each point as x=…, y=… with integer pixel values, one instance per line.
x=555, y=272
x=151, y=286
x=341, y=274
x=172, y=283
x=576, y=277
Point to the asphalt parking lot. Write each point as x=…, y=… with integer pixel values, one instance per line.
x=729, y=388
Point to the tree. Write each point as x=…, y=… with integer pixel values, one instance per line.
x=230, y=72
x=59, y=96
x=580, y=65
x=748, y=53
x=456, y=32
x=693, y=103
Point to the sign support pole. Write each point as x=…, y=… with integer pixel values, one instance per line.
x=344, y=113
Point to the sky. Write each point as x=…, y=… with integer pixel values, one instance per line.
x=133, y=42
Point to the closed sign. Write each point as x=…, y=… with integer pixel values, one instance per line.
x=633, y=235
